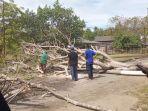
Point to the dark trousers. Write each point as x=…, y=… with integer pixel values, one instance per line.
x=89, y=68
x=43, y=67
x=3, y=104
x=74, y=74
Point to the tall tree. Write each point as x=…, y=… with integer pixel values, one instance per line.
x=89, y=35
x=98, y=31
x=11, y=25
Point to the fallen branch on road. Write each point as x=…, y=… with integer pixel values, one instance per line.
x=25, y=85
x=76, y=103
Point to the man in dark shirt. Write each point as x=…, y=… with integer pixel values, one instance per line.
x=89, y=53
x=73, y=63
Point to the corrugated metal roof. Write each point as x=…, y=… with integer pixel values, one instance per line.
x=88, y=41
x=103, y=38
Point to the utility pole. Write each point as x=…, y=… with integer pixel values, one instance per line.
x=3, y=21
x=147, y=19
x=146, y=28
x=147, y=12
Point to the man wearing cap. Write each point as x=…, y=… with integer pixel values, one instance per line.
x=89, y=53
x=73, y=63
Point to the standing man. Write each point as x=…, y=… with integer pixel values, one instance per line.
x=73, y=63
x=89, y=53
x=43, y=61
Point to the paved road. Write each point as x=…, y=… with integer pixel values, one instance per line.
x=106, y=90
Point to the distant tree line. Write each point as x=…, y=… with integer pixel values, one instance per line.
x=59, y=25
x=127, y=31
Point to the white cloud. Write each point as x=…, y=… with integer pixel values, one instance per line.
x=95, y=12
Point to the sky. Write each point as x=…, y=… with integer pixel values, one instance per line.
x=95, y=12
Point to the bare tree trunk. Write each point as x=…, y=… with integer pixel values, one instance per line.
x=127, y=73
x=144, y=68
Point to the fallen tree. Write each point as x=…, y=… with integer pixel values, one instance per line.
x=143, y=67
x=127, y=73
x=58, y=59
x=57, y=63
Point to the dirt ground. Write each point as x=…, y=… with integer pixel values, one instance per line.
x=105, y=90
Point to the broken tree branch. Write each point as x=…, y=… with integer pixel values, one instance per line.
x=95, y=108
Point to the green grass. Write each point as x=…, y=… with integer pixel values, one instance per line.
x=122, y=57
x=142, y=95
x=126, y=57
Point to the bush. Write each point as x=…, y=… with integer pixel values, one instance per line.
x=126, y=41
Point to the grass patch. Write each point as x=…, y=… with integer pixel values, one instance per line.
x=142, y=95
x=122, y=57
x=127, y=57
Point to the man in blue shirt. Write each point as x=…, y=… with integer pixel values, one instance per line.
x=89, y=53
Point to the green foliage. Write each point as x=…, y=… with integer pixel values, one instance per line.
x=66, y=22
x=126, y=41
x=89, y=35
x=133, y=25
x=58, y=25
x=12, y=25
x=30, y=27
x=98, y=31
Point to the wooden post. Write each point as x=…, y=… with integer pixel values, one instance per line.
x=106, y=48
x=144, y=36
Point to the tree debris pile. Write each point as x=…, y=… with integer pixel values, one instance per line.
x=58, y=60
x=15, y=89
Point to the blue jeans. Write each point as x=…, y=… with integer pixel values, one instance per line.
x=89, y=68
x=74, y=74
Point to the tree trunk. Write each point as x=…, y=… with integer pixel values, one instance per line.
x=143, y=67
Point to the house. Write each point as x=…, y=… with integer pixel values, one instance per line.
x=103, y=43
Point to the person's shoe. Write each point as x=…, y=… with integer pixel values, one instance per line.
x=91, y=78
